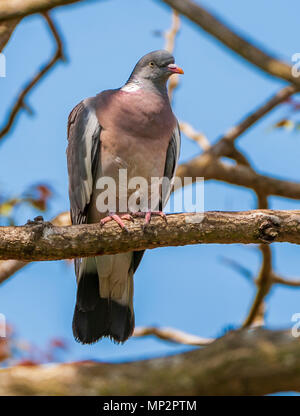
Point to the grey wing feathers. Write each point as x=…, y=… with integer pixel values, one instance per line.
x=171, y=162
x=82, y=156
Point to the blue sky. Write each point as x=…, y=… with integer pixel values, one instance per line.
x=188, y=288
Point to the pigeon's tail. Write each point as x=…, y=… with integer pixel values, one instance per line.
x=104, y=305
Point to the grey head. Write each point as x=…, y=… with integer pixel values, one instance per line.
x=154, y=69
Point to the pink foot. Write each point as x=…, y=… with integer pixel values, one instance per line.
x=149, y=214
x=117, y=219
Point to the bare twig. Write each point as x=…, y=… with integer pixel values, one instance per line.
x=172, y=335
x=20, y=102
x=276, y=279
x=264, y=283
x=187, y=129
x=192, y=134
x=226, y=35
x=170, y=36
x=224, y=145
x=238, y=267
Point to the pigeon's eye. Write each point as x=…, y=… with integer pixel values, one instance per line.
x=151, y=64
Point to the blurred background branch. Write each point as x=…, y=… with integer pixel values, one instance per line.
x=256, y=360
x=20, y=101
x=11, y=9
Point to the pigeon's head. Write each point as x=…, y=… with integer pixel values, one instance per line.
x=156, y=66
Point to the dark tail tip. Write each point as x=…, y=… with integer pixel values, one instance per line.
x=121, y=321
x=107, y=319
x=89, y=326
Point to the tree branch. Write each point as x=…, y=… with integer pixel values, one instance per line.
x=9, y=267
x=43, y=241
x=192, y=134
x=6, y=30
x=20, y=102
x=232, y=40
x=276, y=279
x=224, y=145
x=255, y=362
x=172, y=335
x=203, y=166
x=263, y=282
x=170, y=36
x=11, y=9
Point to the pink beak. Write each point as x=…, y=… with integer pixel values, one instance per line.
x=175, y=69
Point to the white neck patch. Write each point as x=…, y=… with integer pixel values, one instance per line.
x=131, y=87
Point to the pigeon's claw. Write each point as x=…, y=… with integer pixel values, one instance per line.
x=149, y=214
x=118, y=219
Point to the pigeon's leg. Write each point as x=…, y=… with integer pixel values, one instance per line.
x=118, y=219
x=149, y=214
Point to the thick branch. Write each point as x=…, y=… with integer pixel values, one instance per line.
x=6, y=30
x=241, y=363
x=43, y=241
x=9, y=267
x=11, y=9
x=204, y=166
x=232, y=40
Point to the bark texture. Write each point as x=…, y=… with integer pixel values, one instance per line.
x=44, y=241
x=247, y=362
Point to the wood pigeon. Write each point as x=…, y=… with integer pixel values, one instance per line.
x=132, y=128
